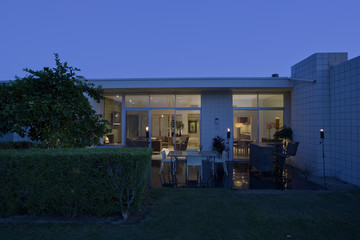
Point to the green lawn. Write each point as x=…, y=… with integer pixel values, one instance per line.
x=220, y=214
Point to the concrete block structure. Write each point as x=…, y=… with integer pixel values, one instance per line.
x=327, y=96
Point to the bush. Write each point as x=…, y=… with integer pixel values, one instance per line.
x=16, y=145
x=69, y=182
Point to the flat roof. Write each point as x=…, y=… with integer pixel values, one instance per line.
x=194, y=84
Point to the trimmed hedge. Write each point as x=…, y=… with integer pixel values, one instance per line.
x=69, y=182
x=16, y=145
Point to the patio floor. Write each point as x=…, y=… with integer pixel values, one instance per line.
x=240, y=176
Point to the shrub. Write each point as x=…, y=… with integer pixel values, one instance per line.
x=16, y=145
x=69, y=182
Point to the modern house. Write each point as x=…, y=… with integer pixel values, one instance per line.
x=323, y=92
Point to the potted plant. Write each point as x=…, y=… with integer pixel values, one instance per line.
x=179, y=127
x=285, y=135
x=219, y=144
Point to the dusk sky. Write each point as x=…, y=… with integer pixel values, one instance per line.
x=173, y=38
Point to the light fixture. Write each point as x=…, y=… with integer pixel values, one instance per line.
x=239, y=125
x=147, y=132
x=322, y=137
x=228, y=133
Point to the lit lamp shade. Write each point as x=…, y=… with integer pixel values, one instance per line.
x=239, y=125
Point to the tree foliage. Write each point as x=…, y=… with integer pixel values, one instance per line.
x=50, y=106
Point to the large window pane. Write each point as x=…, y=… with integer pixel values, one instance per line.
x=112, y=113
x=137, y=101
x=188, y=101
x=271, y=100
x=187, y=129
x=245, y=131
x=162, y=134
x=162, y=100
x=245, y=100
x=270, y=122
x=136, y=122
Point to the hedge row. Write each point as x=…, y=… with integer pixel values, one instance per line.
x=15, y=145
x=68, y=182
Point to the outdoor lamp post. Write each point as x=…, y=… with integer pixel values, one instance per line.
x=148, y=142
x=147, y=133
x=228, y=134
x=322, y=137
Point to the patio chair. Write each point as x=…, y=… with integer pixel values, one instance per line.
x=220, y=159
x=164, y=159
x=193, y=160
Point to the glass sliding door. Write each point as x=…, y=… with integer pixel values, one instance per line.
x=245, y=131
x=162, y=134
x=187, y=129
x=271, y=121
x=136, y=123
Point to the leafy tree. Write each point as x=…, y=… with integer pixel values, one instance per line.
x=51, y=106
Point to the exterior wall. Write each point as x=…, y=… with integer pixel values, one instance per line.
x=345, y=120
x=311, y=110
x=215, y=105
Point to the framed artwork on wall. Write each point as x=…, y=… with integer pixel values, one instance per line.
x=116, y=118
x=192, y=126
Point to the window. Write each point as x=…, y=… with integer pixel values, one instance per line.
x=245, y=100
x=158, y=101
x=137, y=101
x=188, y=100
x=112, y=113
x=271, y=100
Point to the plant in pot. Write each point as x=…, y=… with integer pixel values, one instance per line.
x=218, y=144
x=179, y=127
x=285, y=135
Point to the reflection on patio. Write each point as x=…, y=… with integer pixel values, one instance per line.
x=240, y=177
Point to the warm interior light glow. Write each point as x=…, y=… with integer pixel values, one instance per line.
x=239, y=125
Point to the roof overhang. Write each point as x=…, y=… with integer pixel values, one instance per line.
x=194, y=84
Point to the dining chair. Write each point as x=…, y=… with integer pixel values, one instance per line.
x=193, y=160
x=220, y=159
x=164, y=159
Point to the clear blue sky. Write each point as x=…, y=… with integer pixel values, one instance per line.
x=174, y=38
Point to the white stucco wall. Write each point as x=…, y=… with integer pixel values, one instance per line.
x=215, y=105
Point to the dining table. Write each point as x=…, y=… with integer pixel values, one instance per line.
x=182, y=155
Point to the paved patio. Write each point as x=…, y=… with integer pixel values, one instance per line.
x=240, y=176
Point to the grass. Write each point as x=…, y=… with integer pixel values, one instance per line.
x=220, y=214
